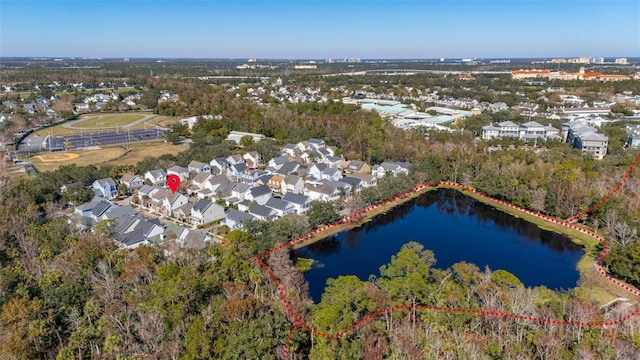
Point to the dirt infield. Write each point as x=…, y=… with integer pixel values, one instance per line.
x=56, y=157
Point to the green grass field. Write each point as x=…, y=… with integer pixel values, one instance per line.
x=104, y=122
x=107, y=120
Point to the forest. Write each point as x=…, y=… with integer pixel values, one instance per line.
x=70, y=294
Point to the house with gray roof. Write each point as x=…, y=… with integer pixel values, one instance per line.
x=237, y=172
x=205, y=211
x=261, y=212
x=147, y=190
x=299, y=202
x=94, y=209
x=183, y=213
x=135, y=230
x=288, y=168
x=132, y=182
x=235, y=219
x=356, y=184
x=220, y=163
x=290, y=150
x=201, y=178
x=239, y=191
x=330, y=174
x=234, y=159
x=218, y=186
x=321, y=192
x=497, y=107
x=368, y=180
x=392, y=167
x=85, y=210
x=106, y=187
x=198, y=167
x=156, y=177
x=115, y=212
x=276, y=163
x=316, y=170
x=293, y=184
x=193, y=239
x=172, y=201
x=281, y=207
x=317, y=143
x=179, y=171
x=259, y=194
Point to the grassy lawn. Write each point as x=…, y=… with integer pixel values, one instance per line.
x=86, y=157
x=591, y=282
x=166, y=121
x=111, y=155
x=107, y=120
x=141, y=149
x=90, y=122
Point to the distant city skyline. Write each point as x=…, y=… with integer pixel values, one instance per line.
x=310, y=29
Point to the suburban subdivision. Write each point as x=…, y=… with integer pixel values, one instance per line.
x=235, y=180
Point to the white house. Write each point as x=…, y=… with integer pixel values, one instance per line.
x=220, y=163
x=198, y=167
x=156, y=177
x=253, y=159
x=395, y=168
x=259, y=194
x=299, y=202
x=234, y=159
x=235, y=219
x=293, y=184
x=200, y=179
x=261, y=212
x=106, y=187
x=173, y=201
x=281, y=207
x=132, y=182
x=368, y=180
x=321, y=192
x=181, y=172
x=205, y=211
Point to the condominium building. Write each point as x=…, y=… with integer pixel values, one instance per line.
x=585, y=138
x=527, y=131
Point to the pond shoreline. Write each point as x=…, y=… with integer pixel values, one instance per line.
x=603, y=291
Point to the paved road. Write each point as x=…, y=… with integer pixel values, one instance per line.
x=70, y=124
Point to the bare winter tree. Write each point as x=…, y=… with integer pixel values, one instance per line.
x=625, y=234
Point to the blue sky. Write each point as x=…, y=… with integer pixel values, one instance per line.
x=319, y=29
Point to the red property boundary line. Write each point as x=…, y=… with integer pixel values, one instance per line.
x=299, y=322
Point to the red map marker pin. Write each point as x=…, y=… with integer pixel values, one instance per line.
x=173, y=181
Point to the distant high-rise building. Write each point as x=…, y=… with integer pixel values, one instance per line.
x=621, y=61
x=597, y=60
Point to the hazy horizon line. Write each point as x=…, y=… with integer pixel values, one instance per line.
x=306, y=58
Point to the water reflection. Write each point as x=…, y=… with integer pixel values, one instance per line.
x=457, y=228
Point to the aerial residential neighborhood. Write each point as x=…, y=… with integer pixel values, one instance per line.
x=288, y=180
x=215, y=192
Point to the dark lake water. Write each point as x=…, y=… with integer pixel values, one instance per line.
x=456, y=228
